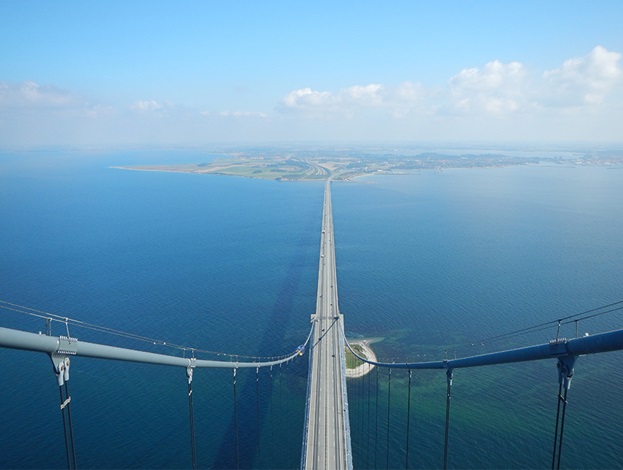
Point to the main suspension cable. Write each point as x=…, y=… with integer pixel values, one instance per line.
x=575, y=318
x=595, y=312
x=52, y=317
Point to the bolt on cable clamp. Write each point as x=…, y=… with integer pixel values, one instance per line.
x=67, y=345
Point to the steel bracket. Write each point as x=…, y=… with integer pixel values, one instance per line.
x=558, y=347
x=60, y=363
x=565, y=370
x=67, y=345
x=192, y=363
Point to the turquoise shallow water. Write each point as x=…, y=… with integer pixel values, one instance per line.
x=428, y=262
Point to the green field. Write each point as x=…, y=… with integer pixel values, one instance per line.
x=351, y=361
x=273, y=170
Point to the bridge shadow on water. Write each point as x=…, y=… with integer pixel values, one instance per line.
x=253, y=408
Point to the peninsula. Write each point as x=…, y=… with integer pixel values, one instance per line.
x=346, y=165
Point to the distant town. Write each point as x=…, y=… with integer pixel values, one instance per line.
x=345, y=165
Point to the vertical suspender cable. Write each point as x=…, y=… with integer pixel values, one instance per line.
x=562, y=426
x=257, y=415
x=272, y=421
x=368, y=423
x=60, y=389
x=362, y=409
x=376, y=417
x=236, y=423
x=71, y=424
x=558, y=399
x=389, y=399
x=354, y=399
x=61, y=369
x=408, y=421
x=565, y=373
x=362, y=395
x=191, y=413
x=448, y=396
x=280, y=385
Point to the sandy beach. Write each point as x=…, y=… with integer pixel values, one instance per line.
x=364, y=368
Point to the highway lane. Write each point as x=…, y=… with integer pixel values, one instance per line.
x=327, y=444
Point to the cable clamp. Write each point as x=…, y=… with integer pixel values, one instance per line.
x=65, y=403
x=558, y=347
x=449, y=375
x=192, y=363
x=67, y=345
x=565, y=370
x=60, y=363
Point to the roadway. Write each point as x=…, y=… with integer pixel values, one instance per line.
x=327, y=440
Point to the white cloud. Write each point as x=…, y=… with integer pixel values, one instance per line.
x=352, y=100
x=500, y=88
x=306, y=98
x=146, y=106
x=583, y=80
x=242, y=114
x=364, y=95
x=497, y=88
x=357, y=95
x=407, y=98
x=409, y=92
x=30, y=94
x=582, y=98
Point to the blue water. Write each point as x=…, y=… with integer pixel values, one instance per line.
x=427, y=262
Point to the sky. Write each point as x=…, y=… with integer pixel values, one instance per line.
x=201, y=72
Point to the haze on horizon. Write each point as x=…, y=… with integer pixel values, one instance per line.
x=194, y=72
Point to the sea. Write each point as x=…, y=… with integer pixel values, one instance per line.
x=431, y=265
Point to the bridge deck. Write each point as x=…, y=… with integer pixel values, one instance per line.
x=327, y=440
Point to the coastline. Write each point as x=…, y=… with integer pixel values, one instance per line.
x=365, y=368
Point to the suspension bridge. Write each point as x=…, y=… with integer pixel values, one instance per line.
x=327, y=434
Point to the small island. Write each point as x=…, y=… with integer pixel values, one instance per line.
x=354, y=367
